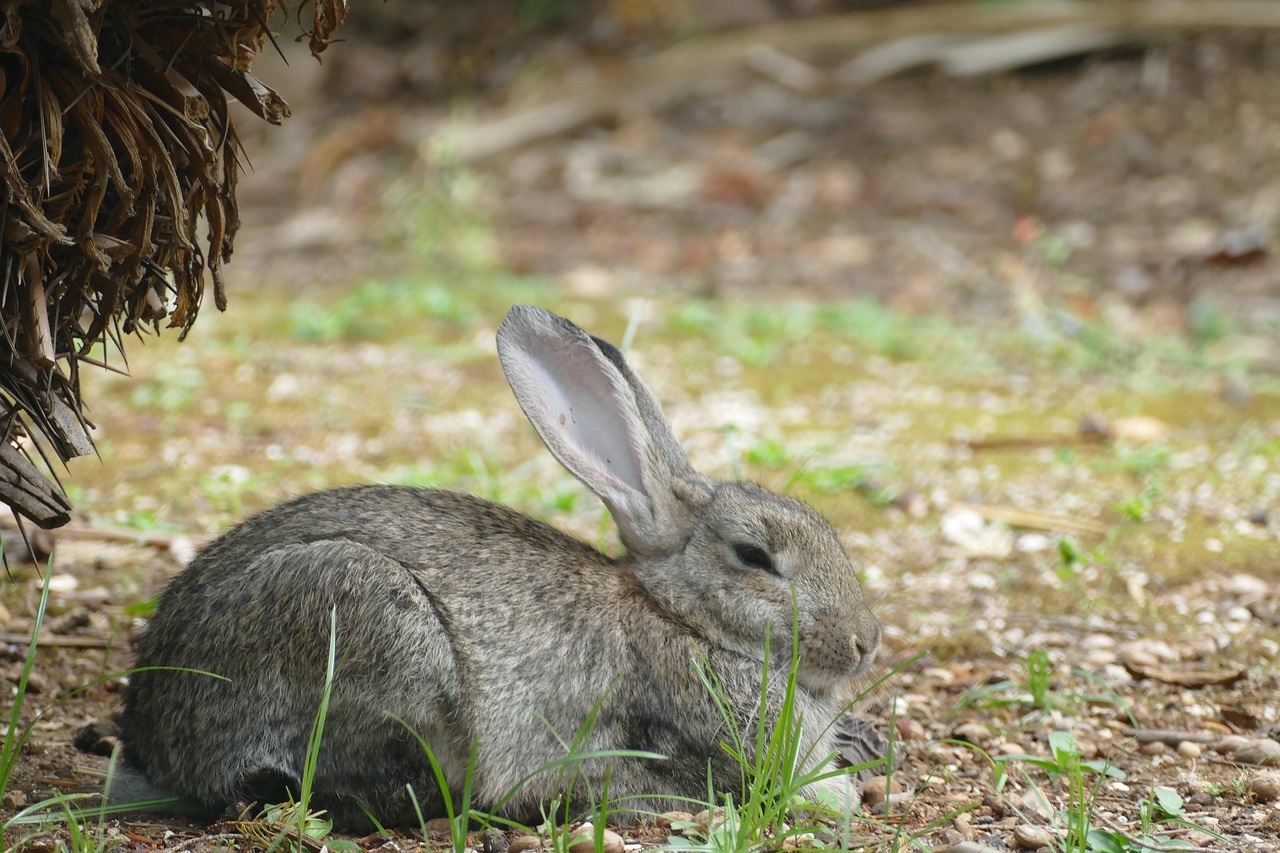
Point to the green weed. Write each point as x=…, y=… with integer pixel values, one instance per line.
x=772, y=767
x=312, y=759
x=226, y=486
x=767, y=453
x=1163, y=807
x=1077, y=825
x=15, y=736
x=374, y=310
x=1237, y=788
x=440, y=223
x=1073, y=557
x=172, y=389
x=1138, y=508
x=459, y=818
x=761, y=335
x=557, y=814
x=1035, y=691
x=1074, y=822
x=144, y=520
x=291, y=825
x=1143, y=460
x=1208, y=323
x=62, y=810
x=869, y=481
x=62, y=825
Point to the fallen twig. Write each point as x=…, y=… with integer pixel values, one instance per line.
x=1190, y=678
x=671, y=74
x=1035, y=442
x=1170, y=737
x=146, y=538
x=1138, y=842
x=1018, y=517
x=57, y=641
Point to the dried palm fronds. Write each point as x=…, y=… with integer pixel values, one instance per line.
x=115, y=145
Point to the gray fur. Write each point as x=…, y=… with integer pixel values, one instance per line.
x=471, y=621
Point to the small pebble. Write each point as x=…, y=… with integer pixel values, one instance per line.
x=1032, y=543
x=1032, y=804
x=1155, y=747
x=1261, y=751
x=1239, y=614
x=974, y=733
x=964, y=825
x=69, y=622
x=36, y=682
x=1197, y=786
x=1265, y=787
x=1247, y=585
x=1228, y=744
x=494, y=841
x=524, y=843
x=910, y=729
x=1139, y=428
x=873, y=793
x=611, y=842
x=584, y=841
x=1032, y=837
x=1188, y=749
x=895, y=802
x=667, y=819
x=63, y=583
x=15, y=800
x=940, y=675
x=1099, y=657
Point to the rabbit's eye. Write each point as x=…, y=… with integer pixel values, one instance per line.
x=753, y=557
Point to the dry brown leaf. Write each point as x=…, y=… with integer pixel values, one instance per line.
x=77, y=33
x=329, y=15
x=250, y=91
x=1190, y=678
x=117, y=145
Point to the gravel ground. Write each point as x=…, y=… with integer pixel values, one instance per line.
x=1082, y=462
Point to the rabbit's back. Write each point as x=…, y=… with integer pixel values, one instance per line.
x=401, y=568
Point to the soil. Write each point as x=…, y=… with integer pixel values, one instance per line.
x=1138, y=188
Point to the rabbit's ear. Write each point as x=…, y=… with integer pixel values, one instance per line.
x=603, y=425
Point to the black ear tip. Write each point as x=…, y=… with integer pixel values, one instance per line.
x=609, y=351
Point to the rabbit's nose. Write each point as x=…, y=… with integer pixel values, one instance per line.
x=867, y=639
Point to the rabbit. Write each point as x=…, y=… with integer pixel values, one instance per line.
x=472, y=623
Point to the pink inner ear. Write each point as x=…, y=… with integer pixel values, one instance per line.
x=581, y=407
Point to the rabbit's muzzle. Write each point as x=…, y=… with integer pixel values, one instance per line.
x=836, y=649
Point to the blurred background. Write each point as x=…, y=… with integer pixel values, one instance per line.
x=811, y=205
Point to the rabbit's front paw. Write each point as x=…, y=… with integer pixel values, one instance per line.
x=838, y=792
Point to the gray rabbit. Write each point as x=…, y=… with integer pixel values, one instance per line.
x=474, y=623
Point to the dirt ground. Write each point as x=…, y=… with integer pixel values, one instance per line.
x=1136, y=188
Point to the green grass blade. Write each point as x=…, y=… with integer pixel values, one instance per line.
x=16, y=737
